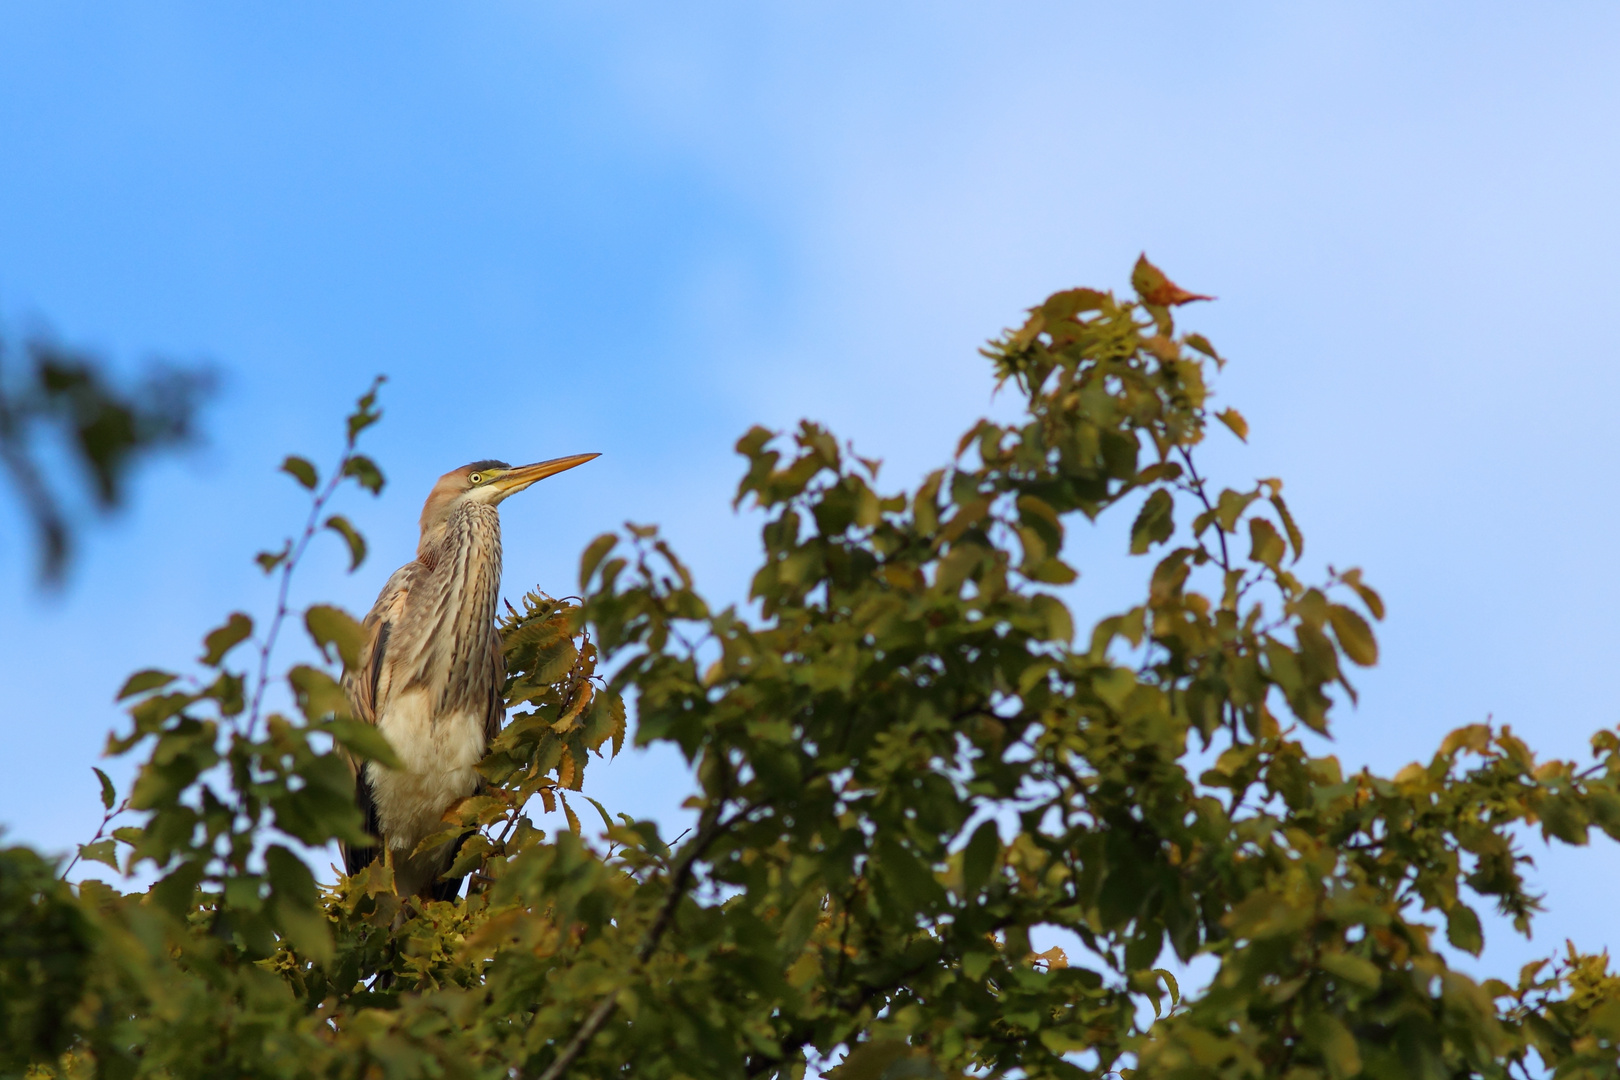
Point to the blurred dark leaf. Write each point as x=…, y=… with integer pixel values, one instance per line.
x=109, y=794
x=301, y=470
x=64, y=399
x=351, y=536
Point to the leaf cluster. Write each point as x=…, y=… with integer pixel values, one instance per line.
x=937, y=832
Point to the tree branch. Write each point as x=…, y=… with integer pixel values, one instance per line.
x=707, y=832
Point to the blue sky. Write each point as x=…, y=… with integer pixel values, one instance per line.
x=638, y=229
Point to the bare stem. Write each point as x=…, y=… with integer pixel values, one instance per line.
x=1203, y=497
x=101, y=831
x=295, y=552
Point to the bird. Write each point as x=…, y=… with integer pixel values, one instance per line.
x=429, y=674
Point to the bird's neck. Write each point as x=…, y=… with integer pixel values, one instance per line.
x=468, y=557
x=465, y=572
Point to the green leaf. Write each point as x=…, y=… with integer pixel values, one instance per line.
x=1351, y=968
x=1355, y=636
x=289, y=877
x=1266, y=547
x=318, y=694
x=1201, y=343
x=1330, y=1038
x=292, y=904
x=332, y=627
x=1463, y=930
x=1055, y=613
x=176, y=892
x=302, y=470
x=269, y=560
x=237, y=628
x=607, y=822
x=911, y=882
x=109, y=794
x=363, y=740
x=365, y=411
x=143, y=681
x=604, y=719
x=351, y=536
x=871, y=1060
x=979, y=857
x=1369, y=596
x=1563, y=817
x=365, y=473
x=593, y=556
x=1171, y=983
x=1154, y=523
x=101, y=851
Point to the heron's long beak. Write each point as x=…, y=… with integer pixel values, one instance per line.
x=521, y=477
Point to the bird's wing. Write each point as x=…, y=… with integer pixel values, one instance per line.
x=495, y=710
x=367, y=686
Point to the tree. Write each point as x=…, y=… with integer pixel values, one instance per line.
x=902, y=765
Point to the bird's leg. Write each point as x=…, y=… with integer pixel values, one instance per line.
x=406, y=910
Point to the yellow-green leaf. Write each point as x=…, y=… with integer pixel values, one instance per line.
x=1355, y=636
x=332, y=627
x=222, y=640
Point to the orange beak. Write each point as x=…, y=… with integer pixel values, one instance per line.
x=515, y=480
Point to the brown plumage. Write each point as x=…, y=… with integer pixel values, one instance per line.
x=430, y=674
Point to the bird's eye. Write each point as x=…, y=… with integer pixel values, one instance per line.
x=476, y=478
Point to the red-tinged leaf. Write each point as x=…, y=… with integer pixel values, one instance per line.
x=1154, y=288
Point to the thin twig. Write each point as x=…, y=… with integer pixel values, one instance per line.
x=295, y=552
x=1203, y=497
x=100, y=831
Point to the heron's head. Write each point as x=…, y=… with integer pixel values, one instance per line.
x=485, y=482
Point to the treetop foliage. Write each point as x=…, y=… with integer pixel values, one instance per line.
x=906, y=765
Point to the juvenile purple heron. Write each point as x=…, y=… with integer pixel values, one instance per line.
x=430, y=674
